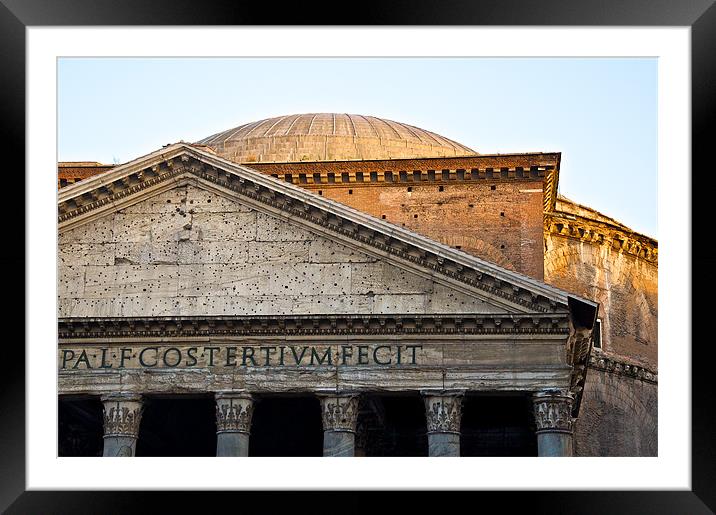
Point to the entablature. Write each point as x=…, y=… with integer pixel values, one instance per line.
x=326, y=325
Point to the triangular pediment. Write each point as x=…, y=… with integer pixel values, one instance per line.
x=292, y=234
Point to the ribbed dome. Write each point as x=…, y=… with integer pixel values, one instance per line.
x=329, y=137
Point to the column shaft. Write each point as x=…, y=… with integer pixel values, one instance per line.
x=554, y=444
x=443, y=444
x=338, y=443
x=232, y=444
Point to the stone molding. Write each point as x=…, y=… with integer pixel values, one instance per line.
x=122, y=414
x=234, y=411
x=621, y=366
x=443, y=411
x=339, y=412
x=600, y=233
x=108, y=190
x=319, y=324
x=553, y=411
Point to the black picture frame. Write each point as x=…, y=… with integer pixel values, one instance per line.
x=17, y=15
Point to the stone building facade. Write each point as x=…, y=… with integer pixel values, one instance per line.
x=382, y=288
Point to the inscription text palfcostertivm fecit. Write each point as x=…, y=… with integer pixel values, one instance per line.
x=203, y=356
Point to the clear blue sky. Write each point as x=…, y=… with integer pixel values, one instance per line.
x=601, y=114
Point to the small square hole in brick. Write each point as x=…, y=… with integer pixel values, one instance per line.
x=350, y=192
x=493, y=187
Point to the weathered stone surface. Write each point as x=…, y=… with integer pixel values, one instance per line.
x=98, y=232
x=322, y=251
x=301, y=364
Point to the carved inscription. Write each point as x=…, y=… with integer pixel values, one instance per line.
x=206, y=356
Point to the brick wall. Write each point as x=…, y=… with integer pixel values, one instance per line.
x=500, y=221
x=618, y=417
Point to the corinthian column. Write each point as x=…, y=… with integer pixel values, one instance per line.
x=553, y=418
x=233, y=423
x=122, y=414
x=340, y=414
x=443, y=411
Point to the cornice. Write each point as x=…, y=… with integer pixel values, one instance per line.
x=101, y=193
x=622, y=366
x=409, y=171
x=599, y=233
x=303, y=325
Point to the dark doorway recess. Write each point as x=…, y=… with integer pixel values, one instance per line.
x=79, y=431
x=498, y=425
x=178, y=427
x=286, y=426
x=395, y=425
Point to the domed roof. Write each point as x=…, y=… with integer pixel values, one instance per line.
x=329, y=137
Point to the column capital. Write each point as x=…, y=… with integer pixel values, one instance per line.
x=339, y=411
x=553, y=411
x=121, y=414
x=443, y=410
x=234, y=411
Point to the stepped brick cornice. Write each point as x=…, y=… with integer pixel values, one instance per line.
x=577, y=227
x=622, y=366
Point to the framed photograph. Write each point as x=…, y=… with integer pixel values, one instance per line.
x=437, y=254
